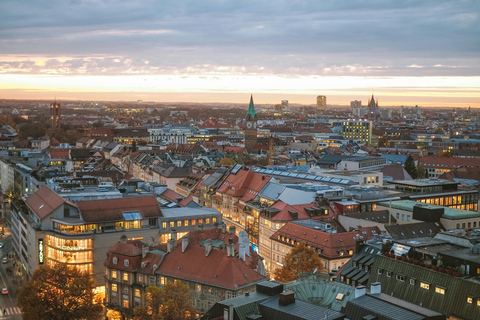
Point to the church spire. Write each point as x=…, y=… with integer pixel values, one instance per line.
x=251, y=108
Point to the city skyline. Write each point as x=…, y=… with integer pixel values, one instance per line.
x=407, y=53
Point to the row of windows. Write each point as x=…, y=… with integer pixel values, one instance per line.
x=186, y=223
x=422, y=284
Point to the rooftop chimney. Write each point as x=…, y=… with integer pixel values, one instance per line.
x=241, y=250
x=173, y=234
x=232, y=230
x=123, y=239
x=230, y=248
x=224, y=227
x=145, y=250
x=185, y=241
x=286, y=298
x=360, y=291
x=200, y=226
x=208, y=247
x=375, y=288
x=171, y=244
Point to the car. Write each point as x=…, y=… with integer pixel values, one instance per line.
x=1, y=245
x=4, y=260
x=4, y=291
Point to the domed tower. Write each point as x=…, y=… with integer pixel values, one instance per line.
x=251, y=130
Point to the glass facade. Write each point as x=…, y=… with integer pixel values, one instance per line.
x=78, y=253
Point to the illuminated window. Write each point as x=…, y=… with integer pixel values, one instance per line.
x=200, y=220
x=172, y=224
x=469, y=300
x=214, y=220
x=125, y=276
x=163, y=280
x=125, y=303
x=199, y=288
x=140, y=277
x=207, y=221
x=440, y=290
x=185, y=223
x=137, y=293
x=179, y=223
x=193, y=222
x=114, y=287
x=164, y=225
x=114, y=274
x=424, y=285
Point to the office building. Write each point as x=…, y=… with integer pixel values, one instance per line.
x=357, y=130
x=321, y=103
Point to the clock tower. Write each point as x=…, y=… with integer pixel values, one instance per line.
x=251, y=130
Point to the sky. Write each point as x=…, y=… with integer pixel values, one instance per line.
x=405, y=52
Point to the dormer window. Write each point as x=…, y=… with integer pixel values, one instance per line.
x=126, y=263
x=115, y=260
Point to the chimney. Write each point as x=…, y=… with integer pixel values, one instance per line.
x=360, y=291
x=359, y=244
x=232, y=230
x=208, y=247
x=123, y=239
x=151, y=243
x=375, y=288
x=241, y=250
x=286, y=298
x=173, y=234
x=243, y=239
x=230, y=248
x=185, y=241
x=145, y=250
x=200, y=226
x=171, y=244
x=224, y=227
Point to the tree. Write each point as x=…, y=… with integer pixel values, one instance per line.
x=170, y=303
x=421, y=173
x=301, y=259
x=58, y=293
x=226, y=162
x=410, y=167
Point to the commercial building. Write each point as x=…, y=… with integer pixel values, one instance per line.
x=321, y=102
x=357, y=130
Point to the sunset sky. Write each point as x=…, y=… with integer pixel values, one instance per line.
x=405, y=52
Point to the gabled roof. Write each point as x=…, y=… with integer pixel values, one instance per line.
x=217, y=269
x=95, y=211
x=414, y=230
x=44, y=201
x=285, y=209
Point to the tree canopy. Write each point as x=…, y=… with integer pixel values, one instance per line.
x=410, y=167
x=301, y=259
x=58, y=293
x=173, y=302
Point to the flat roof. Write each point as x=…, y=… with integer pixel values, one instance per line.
x=188, y=212
x=448, y=213
x=423, y=182
x=421, y=242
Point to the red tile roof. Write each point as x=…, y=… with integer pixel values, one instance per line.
x=448, y=162
x=94, y=211
x=59, y=153
x=243, y=182
x=44, y=201
x=170, y=195
x=330, y=244
x=284, y=208
x=217, y=269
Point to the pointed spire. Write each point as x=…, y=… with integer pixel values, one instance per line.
x=251, y=108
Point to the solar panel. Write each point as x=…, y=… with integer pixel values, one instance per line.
x=318, y=178
x=284, y=173
x=326, y=179
x=335, y=180
x=344, y=181
x=269, y=171
x=311, y=177
x=302, y=176
x=236, y=168
x=293, y=174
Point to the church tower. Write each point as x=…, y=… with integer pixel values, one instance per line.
x=373, y=110
x=251, y=130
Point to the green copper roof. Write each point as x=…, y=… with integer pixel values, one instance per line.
x=251, y=108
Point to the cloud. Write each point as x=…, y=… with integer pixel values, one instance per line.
x=242, y=37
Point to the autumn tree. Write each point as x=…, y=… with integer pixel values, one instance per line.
x=58, y=293
x=301, y=259
x=173, y=302
x=226, y=162
x=410, y=167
